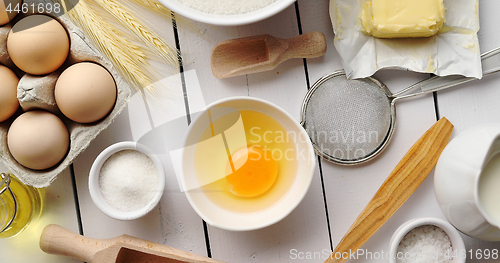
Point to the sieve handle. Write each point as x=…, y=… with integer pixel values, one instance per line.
x=490, y=62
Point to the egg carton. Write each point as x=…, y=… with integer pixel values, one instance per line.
x=37, y=92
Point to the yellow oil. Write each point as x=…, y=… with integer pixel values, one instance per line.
x=261, y=130
x=29, y=207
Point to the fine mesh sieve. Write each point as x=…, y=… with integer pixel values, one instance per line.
x=352, y=121
x=348, y=120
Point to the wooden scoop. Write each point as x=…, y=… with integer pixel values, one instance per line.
x=123, y=249
x=254, y=54
x=410, y=172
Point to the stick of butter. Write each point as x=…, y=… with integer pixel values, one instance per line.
x=402, y=18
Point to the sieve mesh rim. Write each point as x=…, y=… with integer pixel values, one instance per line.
x=373, y=154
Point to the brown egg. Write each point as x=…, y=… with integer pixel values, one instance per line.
x=12, y=6
x=38, y=140
x=38, y=44
x=8, y=93
x=85, y=92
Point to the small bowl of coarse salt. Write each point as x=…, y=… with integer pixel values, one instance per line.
x=429, y=240
x=126, y=180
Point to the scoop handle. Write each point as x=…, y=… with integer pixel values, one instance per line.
x=60, y=241
x=308, y=45
x=409, y=173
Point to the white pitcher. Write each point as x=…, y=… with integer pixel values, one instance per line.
x=456, y=181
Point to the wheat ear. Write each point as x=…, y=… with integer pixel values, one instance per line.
x=129, y=20
x=129, y=58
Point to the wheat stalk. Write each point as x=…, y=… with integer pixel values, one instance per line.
x=129, y=58
x=128, y=19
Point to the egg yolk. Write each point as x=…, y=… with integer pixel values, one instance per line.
x=256, y=173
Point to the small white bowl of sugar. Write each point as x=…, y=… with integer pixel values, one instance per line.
x=427, y=240
x=126, y=180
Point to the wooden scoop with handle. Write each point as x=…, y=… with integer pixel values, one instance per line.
x=409, y=173
x=123, y=249
x=254, y=54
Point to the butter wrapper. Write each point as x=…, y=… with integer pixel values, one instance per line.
x=453, y=51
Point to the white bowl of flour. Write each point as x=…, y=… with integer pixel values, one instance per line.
x=227, y=12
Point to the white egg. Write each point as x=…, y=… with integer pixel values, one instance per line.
x=38, y=44
x=8, y=93
x=85, y=92
x=38, y=139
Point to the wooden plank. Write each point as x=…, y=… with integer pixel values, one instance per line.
x=475, y=103
x=348, y=189
x=59, y=208
x=173, y=222
x=286, y=87
x=406, y=177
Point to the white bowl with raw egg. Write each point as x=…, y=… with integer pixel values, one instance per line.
x=246, y=164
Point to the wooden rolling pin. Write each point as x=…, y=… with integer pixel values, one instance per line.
x=123, y=249
x=409, y=173
x=254, y=54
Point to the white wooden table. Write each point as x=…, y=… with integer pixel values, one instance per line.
x=337, y=194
